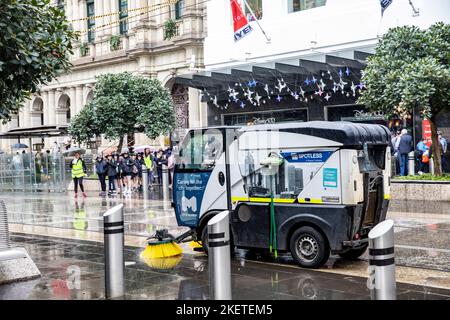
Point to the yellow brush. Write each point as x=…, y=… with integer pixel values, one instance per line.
x=195, y=244
x=162, y=263
x=161, y=245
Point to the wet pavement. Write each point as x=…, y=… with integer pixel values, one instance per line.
x=422, y=254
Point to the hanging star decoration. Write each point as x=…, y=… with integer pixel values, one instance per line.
x=281, y=85
x=342, y=83
x=330, y=76
x=353, y=88
x=248, y=93
x=278, y=98
x=318, y=93
x=295, y=95
x=313, y=80
x=252, y=83
x=233, y=93
x=327, y=97
x=242, y=105
x=229, y=89
x=266, y=89
x=340, y=73
x=347, y=71
x=257, y=98
x=322, y=85
x=361, y=86
x=335, y=87
x=215, y=101
x=302, y=92
x=307, y=82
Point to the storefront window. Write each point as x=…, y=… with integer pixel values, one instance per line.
x=256, y=6
x=299, y=5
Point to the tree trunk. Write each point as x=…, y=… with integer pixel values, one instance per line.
x=119, y=147
x=436, y=148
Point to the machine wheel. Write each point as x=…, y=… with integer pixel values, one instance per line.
x=309, y=248
x=205, y=241
x=354, y=254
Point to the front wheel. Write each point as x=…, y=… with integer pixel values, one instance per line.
x=354, y=254
x=309, y=248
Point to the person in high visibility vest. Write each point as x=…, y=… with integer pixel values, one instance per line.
x=148, y=161
x=78, y=172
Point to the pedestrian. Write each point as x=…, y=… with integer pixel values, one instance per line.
x=127, y=172
x=139, y=164
x=78, y=168
x=134, y=172
x=100, y=170
x=444, y=146
x=422, y=156
x=111, y=170
x=171, y=166
x=159, y=161
x=404, y=148
x=119, y=173
x=148, y=161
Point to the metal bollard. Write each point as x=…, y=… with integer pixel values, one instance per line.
x=219, y=256
x=382, y=261
x=411, y=163
x=145, y=181
x=165, y=181
x=431, y=165
x=114, y=261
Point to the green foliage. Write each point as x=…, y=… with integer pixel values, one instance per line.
x=170, y=29
x=124, y=104
x=426, y=176
x=84, y=49
x=410, y=68
x=35, y=44
x=114, y=42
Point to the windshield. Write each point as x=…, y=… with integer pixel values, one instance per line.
x=200, y=149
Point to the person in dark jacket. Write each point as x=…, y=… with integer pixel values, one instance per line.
x=100, y=169
x=111, y=171
x=119, y=175
x=159, y=161
x=139, y=164
x=404, y=147
x=127, y=172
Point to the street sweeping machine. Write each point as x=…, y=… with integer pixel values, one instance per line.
x=308, y=188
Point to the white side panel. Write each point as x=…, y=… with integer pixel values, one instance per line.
x=215, y=194
x=281, y=140
x=351, y=177
x=387, y=174
x=325, y=186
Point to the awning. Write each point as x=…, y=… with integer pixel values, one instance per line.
x=325, y=76
x=35, y=132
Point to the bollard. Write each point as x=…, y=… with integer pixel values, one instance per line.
x=114, y=261
x=165, y=181
x=431, y=165
x=145, y=181
x=219, y=256
x=411, y=163
x=382, y=261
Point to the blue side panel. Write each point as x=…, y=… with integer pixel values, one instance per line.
x=309, y=156
x=188, y=191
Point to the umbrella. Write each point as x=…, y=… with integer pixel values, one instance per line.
x=141, y=148
x=19, y=146
x=71, y=152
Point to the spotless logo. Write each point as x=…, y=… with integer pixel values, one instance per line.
x=312, y=156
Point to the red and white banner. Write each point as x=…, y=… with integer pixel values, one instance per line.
x=426, y=131
x=240, y=22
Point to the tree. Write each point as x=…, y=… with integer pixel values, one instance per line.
x=35, y=44
x=410, y=70
x=124, y=104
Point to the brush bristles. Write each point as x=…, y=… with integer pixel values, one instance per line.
x=162, y=263
x=195, y=244
x=162, y=250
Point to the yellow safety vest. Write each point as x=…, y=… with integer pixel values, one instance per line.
x=148, y=162
x=77, y=169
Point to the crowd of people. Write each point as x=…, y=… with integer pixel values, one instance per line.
x=402, y=144
x=122, y=173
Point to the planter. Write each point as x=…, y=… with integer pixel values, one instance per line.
x=423, y=190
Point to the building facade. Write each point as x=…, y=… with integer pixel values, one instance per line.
x=303, y=59
x=118, y=36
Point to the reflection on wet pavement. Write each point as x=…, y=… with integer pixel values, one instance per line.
x=188, y=280
x=422, y=231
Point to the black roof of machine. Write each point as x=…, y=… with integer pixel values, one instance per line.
x=347, y=133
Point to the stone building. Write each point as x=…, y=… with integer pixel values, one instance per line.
x=117, y=36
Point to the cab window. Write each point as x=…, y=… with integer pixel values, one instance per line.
x=200, y=149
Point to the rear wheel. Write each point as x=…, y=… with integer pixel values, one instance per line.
x=354, y=254
x=309, y=248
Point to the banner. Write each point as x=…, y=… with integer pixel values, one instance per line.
x=240, y=23
x=384, y=4
x=426, y=132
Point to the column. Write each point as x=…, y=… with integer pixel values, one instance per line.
x=86, y=88
x=73, y=99
x=78, y=99
x=194, y=108
x=145, y=13
x=132, y=20
x=82, y=24
x=75, y=14
x=68, y=10
x=99, y=22
x=44, y=95
x=109, y=18
x=51, y=108
x=114, y=4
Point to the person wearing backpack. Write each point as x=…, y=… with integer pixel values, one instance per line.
x=127, y=172
x=111, y=171
x=100, y=169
